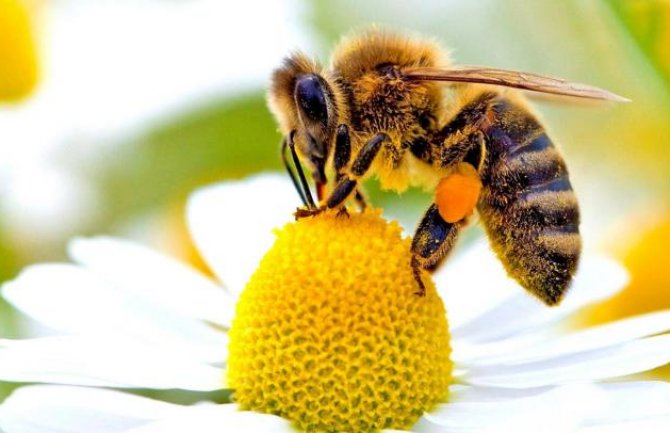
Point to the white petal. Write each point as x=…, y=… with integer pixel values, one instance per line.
x=73, y=300
x=659, y=424
x=593, y=338
x=104, y=361
x=217, y=419
x=232, y=223
x=59, y=409
x=460, y=393
x=619, y=401
x=610, y=362
x=472, y=283
x=159, y=279
x=557, y=410
x=598, y=278
x=631, y=401
x=467, y=353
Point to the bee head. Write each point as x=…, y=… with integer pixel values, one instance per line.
x=306, y=102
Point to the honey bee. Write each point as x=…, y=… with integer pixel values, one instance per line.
x=393, y=106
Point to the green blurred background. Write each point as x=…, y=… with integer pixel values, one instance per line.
x=619, y=155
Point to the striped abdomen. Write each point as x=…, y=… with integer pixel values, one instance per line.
x=528, y=207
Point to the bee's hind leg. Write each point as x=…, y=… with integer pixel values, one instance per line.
x=432, y=241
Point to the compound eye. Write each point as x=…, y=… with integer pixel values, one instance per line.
x=310, y=95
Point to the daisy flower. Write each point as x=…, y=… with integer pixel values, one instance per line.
x=327, y=335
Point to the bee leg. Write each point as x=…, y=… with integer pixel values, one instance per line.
x=359, y=167
x=360, y=199
x=471, y=150
x=348, y=183
x=458, y=147
x=341, y=160
x=304, y=212
x=416, y=271
x=343, y=212
x=432, y=241
x=342, y=153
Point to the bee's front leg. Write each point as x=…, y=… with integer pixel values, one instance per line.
x=348, y=183
x=341, y=160
x=304, y=212
x=337, y=197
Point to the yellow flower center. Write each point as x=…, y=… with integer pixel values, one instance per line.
x=330, y=334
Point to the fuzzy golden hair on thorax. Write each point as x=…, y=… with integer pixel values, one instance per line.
x=370, y=65
x=361, y=52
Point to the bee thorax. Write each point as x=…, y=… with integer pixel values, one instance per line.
x=392, y=106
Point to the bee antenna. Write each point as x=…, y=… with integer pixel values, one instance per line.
x=290, y=172
x=301, y=187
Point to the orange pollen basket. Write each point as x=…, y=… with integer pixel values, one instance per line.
x=456, y=195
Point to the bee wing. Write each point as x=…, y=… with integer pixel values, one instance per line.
x=516, y=79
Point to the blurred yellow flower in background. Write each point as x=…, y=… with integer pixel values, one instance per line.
x=18, y=59
x=644, y=252
x=649, y=287
x=640, y=237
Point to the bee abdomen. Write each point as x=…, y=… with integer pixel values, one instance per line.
x=557, y=210
x=532, y=215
